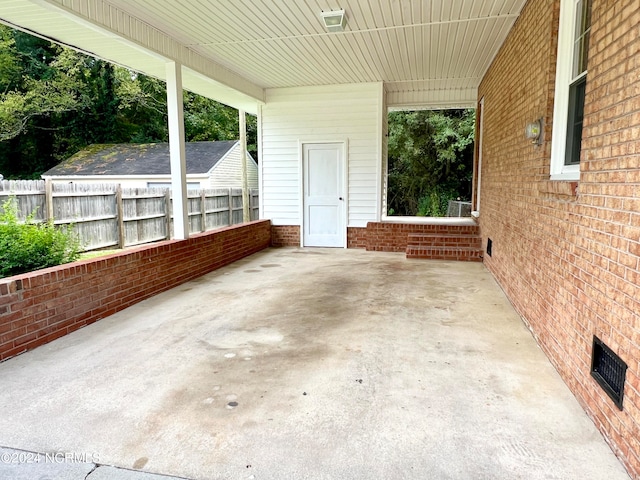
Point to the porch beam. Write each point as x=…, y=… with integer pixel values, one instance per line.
x=175, y=109
x=108, y=32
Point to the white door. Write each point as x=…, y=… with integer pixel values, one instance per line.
x=324, y=202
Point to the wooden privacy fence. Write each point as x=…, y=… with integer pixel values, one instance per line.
x=106, y=215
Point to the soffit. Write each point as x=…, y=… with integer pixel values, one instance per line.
x=422, y=50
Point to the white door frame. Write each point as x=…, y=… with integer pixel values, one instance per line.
x=345, y=184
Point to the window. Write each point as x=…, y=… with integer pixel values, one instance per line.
x=574, y=122
x=571, y=80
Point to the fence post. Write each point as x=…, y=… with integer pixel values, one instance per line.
x=120, y=209
x=256, y=204
x=48, y=199
x=251, y=204
x=203, y=210
x=230, y=206
x=167, y=210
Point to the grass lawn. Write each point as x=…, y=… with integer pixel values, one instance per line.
x=97, y=253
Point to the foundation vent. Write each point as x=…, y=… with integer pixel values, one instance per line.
x=489, y=246
x=609, y=371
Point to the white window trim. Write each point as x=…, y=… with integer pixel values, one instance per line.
x=566, y=35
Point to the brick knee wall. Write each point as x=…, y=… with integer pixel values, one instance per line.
x=389, y=237
x=285, y=236
x=356, y=237
x=38, y=307
x=567, y=254
x=393, y=237
x=289, y=236
x=376, y=236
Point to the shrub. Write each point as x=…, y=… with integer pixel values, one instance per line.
x=27, y=246
x=436, y=202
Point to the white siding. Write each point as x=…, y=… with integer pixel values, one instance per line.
x=337, y=113
x=228, y=171
x=384, y=121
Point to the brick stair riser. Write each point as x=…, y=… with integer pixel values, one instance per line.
x=451, y=259
x=450, y=240
x=472, y=255
x=444, y=257
x=441, y=249
x=447, y=242
x=468, y=232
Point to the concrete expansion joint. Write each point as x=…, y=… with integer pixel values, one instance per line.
x=100, y=471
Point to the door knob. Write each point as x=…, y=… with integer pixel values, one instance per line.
x=341, y=198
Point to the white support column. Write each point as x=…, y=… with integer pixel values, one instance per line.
x=177, y=151
x=260, y=172
x=246, y=212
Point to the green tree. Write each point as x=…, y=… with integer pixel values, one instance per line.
x=208, y=120
x=55, y=101
x=430, y=160
x=10, y=68
x=57, y=89
x=142, y=107
x=41, y=83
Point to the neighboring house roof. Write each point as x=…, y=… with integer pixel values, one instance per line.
x=140, y=159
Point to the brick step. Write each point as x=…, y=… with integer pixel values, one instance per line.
x=443, y=240
x=445, y=229
x=463, y=254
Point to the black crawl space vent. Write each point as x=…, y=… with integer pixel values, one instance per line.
x=609, y=371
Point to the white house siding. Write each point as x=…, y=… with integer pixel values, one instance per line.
x=228, y=171
x=334, y=113
x=384, y=120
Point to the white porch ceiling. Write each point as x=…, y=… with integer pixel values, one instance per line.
x=427, y=52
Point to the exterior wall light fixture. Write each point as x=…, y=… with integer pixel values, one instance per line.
x=533, y=131
x=335, y=20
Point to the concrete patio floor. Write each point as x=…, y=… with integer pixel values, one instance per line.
x=307, y=363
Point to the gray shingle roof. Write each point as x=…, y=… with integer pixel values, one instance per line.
x=140, y=159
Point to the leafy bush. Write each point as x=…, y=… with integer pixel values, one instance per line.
x=436, y=202
x=29, y=246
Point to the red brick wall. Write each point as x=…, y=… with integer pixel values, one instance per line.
x=289, y=236
x=566, y=253
x=392, y=237
x=356, y=237
x=38, y=307
x=285, y=235
x=377, y=236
